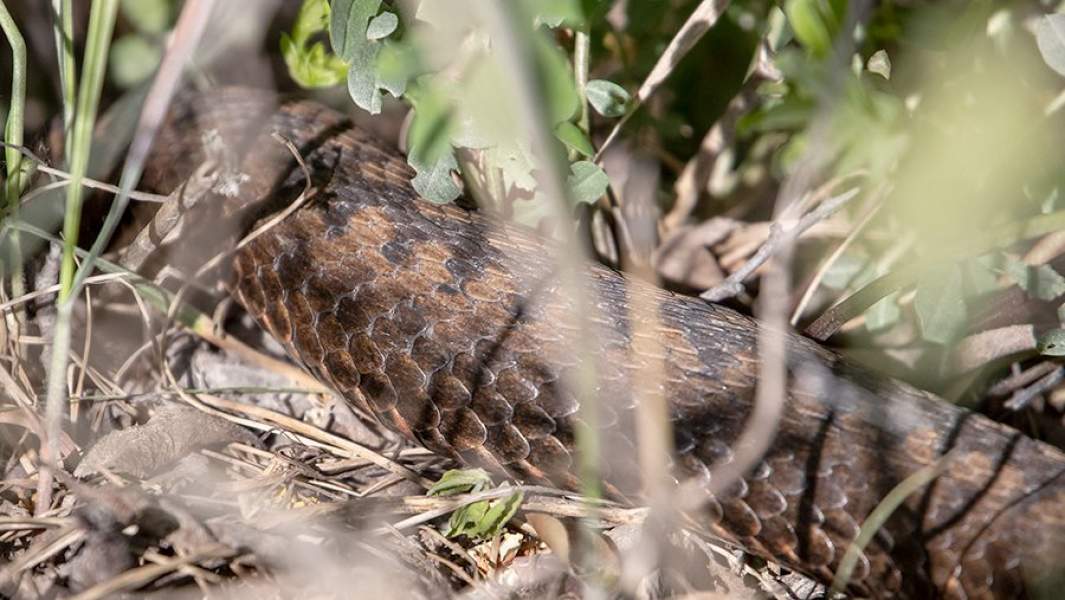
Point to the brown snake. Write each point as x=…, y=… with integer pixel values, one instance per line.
x=450, y=327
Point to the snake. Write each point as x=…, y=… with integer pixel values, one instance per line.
x=453, y=327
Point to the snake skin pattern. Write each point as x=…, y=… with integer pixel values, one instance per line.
x=451, y=328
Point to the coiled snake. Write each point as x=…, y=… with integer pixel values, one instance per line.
x=451, y=328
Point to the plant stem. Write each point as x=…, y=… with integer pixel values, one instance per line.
x=880, y=515
x=13, y=128
x=190, y=27
x=581, y=57
x=64, y=47
x=98, y=42
x=13, y=135
x=101, y=26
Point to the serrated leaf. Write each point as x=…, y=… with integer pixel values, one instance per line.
x=382, y=26
x=1052, y=343
x=1041, y=281
x=515, y=162
x=1050, y=37
x=880, y=64
x=460, y=481
x=607, y=98
x=587, y=182
x=574, y=139
x=397, y=63
x=940, y=306
x=348, y=25
x=433, y=181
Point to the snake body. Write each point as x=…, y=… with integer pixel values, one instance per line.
x=452, y=328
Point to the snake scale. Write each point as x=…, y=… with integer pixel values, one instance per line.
x=451, y=327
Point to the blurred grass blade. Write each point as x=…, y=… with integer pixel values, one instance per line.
x=101, y=27
x=879, y=516
x=13, y=127
x=187, y=34
x=13, y=136
x=701, y=20
x=63, y=26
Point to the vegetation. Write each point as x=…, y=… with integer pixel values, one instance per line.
x=895, y=164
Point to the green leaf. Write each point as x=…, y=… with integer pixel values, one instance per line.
x=498, y=514
x=382, y=26
x=429, y=135
x=560, y=90
x=607, y=98
x=348, y=24
x=312, y=18
x=554, y=13
x=133, y=59
x=311, y=66
x=466, y=519
x=574, y=139
x=1050, y=37
x=810, y=26
x=587, y=182
x=397, y=63
x=1052, y=343
x=460, y=481
x=348, y=29
x=484, y=519
x=1041, y=282
x=433, y=181
x=148, y=16
x=940, y=306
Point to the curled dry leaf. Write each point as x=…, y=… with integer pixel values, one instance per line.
x=980, y=349
x=172, y=433
x=685, y=258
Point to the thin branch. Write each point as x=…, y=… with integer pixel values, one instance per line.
x=780, y=236
x=701, y=20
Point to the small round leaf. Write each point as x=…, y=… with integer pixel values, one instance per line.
x=607, y=98
x=382, y=26
x=587, y=182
